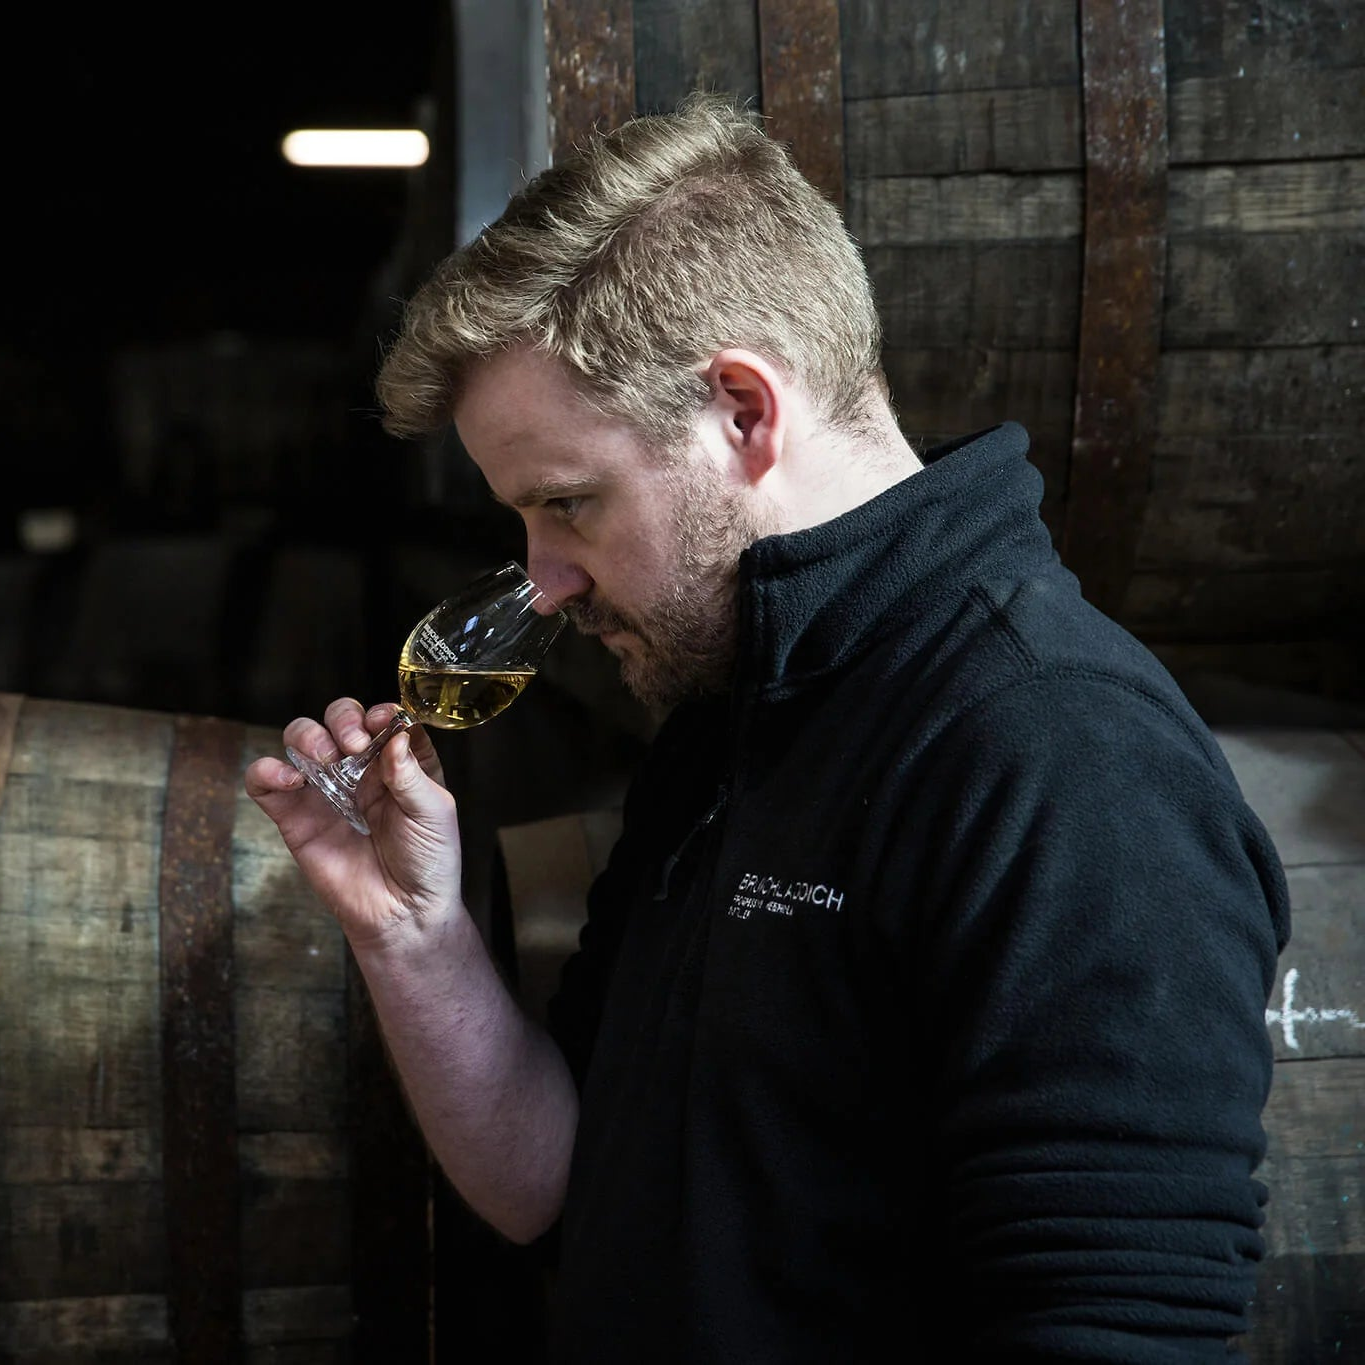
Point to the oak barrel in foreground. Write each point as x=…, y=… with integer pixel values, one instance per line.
x=178, y=1049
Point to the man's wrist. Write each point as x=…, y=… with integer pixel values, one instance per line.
x=412, y=936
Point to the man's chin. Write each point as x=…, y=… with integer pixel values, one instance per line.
x=660, y=689
x=643, y=680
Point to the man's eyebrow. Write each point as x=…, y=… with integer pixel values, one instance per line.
x=555, y=486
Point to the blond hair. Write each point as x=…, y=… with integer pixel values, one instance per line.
x=636, y=259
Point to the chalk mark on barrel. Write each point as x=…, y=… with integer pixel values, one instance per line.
x=1288, y=1017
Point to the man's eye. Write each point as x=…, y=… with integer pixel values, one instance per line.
x=564, y=508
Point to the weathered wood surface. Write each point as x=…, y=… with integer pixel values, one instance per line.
x=914, y=210
x=590, y=53
x=1256, y=513
x=1030, y=129
x=1254, y=527
x=85, y=1181
x=966, y=162
x=122, y=1328
x=1309, y=112
x=1308, y=787
x=1021, y=297
x=1198, y=603
x=894, y=49
x=803, y=86
x=283, y=1327
x=1267, y=255
x=1252, y=502
x=1284, y=113
x=977, y=333
x=1239, y=246
x=1311, y=1286
x=1247, y=678
x=1283, y=197
x=1258, y=82
x=1228, y=291
x=944, y=392
x=1279, y=391
x=1263, y=40
x=1318, y=1006
x=9, y=719
x=784, y=59
x=686, y=45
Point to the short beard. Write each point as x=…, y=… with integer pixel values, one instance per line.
x=689, y=632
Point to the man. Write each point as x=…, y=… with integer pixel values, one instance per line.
x=923, y=996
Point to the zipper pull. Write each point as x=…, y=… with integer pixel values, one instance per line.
x=722, y=795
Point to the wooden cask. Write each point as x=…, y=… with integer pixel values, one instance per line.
x=1137, y=229
x=186, y=1117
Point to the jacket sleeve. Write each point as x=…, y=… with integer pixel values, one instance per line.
x=1104, y=919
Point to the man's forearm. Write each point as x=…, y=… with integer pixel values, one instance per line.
x=489, y=1088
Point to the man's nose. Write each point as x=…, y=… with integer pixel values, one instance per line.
x=561, y=579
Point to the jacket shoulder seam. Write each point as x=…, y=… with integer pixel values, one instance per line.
x=1043, y=674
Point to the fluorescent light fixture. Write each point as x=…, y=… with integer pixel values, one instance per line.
x=355, y=147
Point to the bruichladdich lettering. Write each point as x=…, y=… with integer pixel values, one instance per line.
x=781, y=896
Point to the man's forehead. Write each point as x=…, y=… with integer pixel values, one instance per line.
x=521, y=366
x=511, y=400
x=531, y=434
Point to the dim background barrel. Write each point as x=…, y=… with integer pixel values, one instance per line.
x=1137, y=229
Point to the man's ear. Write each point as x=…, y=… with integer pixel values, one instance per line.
x=749, y=400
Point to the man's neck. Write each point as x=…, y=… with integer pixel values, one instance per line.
x=831, y=473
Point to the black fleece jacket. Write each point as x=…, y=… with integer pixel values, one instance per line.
x=923, y=997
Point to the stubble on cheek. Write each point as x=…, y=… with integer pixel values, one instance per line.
x=685, y=635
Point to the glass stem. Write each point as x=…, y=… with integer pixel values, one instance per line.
x=352, y=768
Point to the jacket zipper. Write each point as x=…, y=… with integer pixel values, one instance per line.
x=723, y=790
x=722, y=795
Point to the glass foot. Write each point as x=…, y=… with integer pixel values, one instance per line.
x=332, y=784
x=338, y=780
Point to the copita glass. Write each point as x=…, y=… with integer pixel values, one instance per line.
x=465, y=662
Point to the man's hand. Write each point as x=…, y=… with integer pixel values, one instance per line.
x=409, y=870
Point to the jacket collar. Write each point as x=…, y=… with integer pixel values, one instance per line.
x=812, y=601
